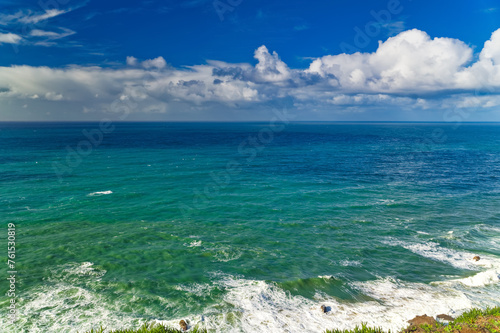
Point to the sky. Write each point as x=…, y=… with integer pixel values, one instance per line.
x=241, y=60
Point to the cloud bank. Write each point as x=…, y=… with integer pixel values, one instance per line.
x=410, y=71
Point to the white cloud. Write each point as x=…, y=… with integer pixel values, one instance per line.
x=35, y=18
x=366, y=99
x=48, y=38
x=28, y=17
x=485, y=73
x=408, y=71
x=10, y=38
x=52, y=96
x=132, y=61
x=42, y=33
x=158, y=63
x=270, y=67
x=410, y=62
x=28, y=22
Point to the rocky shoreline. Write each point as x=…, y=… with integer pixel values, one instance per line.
x=445, y=323
x=472, y=321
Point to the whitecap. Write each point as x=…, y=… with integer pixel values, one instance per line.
x=99, y=193
x=193, y=244
x=198, y=289
x=84, y=269
x=352, y=263
x=481, y=279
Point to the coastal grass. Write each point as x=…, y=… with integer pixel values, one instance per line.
x=149, y=328
x=359, y=329
x=474, y=320
x=472, y=315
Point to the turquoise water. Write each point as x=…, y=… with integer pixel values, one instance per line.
x=244, y=227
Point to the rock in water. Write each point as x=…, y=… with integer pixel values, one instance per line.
x=445, y=317
x=183, y=325
x=476, y=258
x=420, y=320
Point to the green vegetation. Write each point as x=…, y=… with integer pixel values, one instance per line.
x=149, y=328
x=474, y=320
x=357, y=329
x=472, y=315
x=429, y=328
x=477, y=320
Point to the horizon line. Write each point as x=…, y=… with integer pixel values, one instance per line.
x=250, y=121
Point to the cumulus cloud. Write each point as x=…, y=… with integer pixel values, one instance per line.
x=157, y=63
x=410, y=62
x=485, y=73
x=270, y=68
x=132, y=61
x=409, y=71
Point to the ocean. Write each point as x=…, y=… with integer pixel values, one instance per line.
x=247, y=227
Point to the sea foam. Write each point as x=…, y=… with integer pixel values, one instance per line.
x=458, y=259
x=246, y=306
x=253, y=305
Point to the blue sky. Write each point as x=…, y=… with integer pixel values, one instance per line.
x=240, y=59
